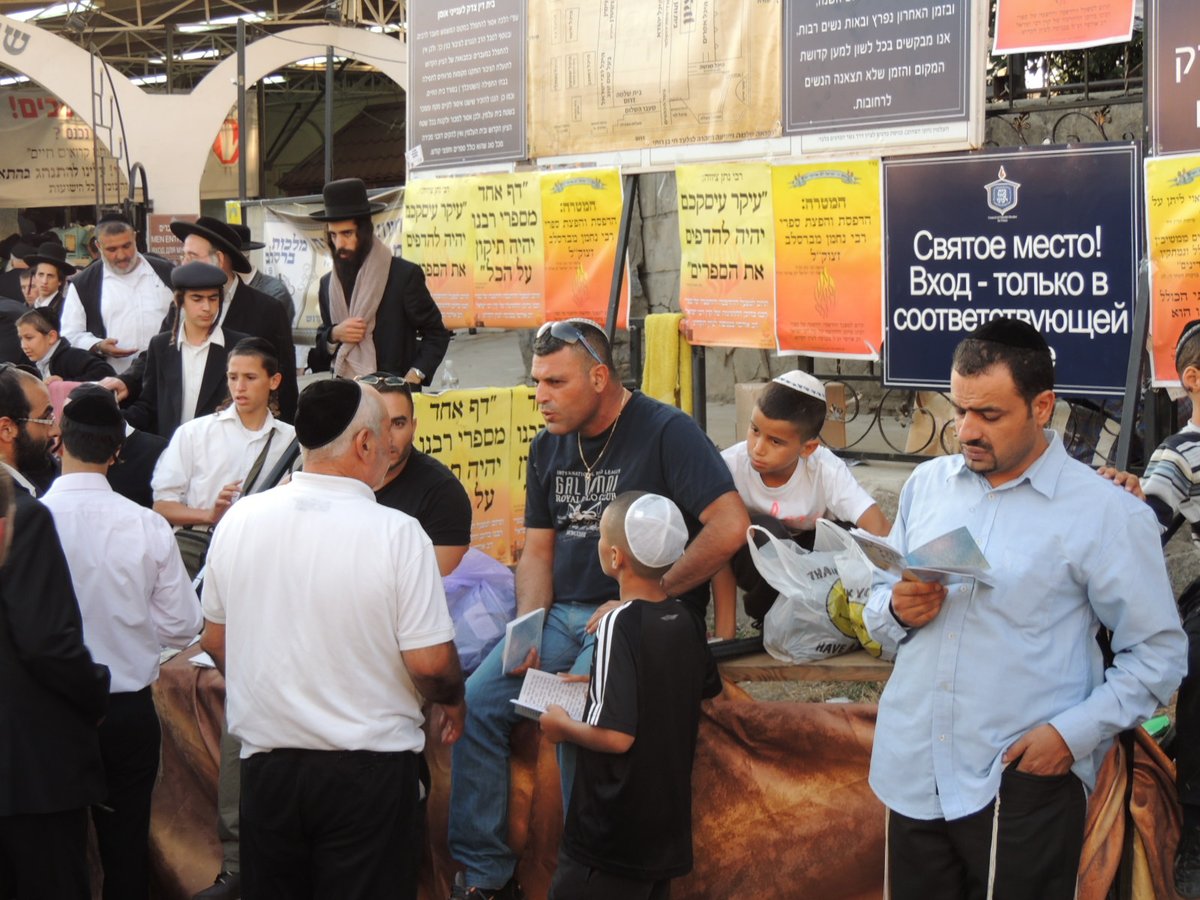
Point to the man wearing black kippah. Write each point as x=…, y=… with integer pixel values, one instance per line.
x=1002, y=706
x=135, y=598
x=330, y=717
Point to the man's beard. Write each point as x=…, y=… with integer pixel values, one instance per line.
x=31, y=455
x=347, y=269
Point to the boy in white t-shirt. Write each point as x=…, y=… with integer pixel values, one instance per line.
x=787, y=481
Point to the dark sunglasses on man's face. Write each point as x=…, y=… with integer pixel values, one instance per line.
x=569, y=334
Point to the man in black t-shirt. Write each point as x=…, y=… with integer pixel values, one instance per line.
x=419, y=485
x=629, y=823
x=600, y=440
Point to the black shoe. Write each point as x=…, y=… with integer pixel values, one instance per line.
x=510, y=891
x=1187, y=862
x=227, y=886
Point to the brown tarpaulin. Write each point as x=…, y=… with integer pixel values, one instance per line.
x=782, y=806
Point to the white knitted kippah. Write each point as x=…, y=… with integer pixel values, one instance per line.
x=802, y=382
x=655, y=531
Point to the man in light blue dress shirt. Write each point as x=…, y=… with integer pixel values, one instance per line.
x=1001, y=706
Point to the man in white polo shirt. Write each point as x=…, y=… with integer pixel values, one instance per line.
x=326, y=613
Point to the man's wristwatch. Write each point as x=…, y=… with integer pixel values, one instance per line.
x=420, y=375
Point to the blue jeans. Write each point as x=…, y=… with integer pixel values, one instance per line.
x=479, y=777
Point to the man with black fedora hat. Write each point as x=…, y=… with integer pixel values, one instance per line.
x=50, y=272
x=376, y=313
x=113, y=309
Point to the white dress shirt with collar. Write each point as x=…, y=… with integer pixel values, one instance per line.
x=132, y=306
x=208, y=453
x=195, y=359
x=43, y=364
x=134, y=593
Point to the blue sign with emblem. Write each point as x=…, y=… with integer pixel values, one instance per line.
x=1051, y=235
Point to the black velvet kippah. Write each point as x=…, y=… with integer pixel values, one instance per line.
x=1011, y=333
x=92, y=405
x=326, y=408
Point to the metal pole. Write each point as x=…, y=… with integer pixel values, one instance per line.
x=328, y=114
x=170, y=55
x=629, y=190
x=1133, y=371
x=241, y=108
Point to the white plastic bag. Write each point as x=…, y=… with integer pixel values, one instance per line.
x=821, y=594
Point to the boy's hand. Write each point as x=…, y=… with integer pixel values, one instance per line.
x=554, y=723
x=1127, y=480
x=568, y=676
x=916, y=603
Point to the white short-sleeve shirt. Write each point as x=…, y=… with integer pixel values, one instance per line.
x=822, y=485
x=320, y=590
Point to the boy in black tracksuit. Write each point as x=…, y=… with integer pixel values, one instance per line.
x=629, y=824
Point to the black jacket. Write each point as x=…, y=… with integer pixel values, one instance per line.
x=72, y=364
x=130, y=477
x=52, y=694
x=253, y=314
x=88, y=285
x=408, y=327
x=159, y=408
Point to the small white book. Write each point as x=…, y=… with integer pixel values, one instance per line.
x=540, y=690
x=522, y=634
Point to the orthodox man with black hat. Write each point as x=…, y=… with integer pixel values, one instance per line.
x=52, y=694
x=50, y=272
x=114, y=308
x=1003, y=702
x=184, y=375
x=330, y=719
x=376, y=313
x=135, y=598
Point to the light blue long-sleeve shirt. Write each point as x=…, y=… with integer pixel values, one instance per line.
x=1069, y=551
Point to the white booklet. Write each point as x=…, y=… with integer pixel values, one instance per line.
x=954, y=553
x=522, y=634
x=541, y=689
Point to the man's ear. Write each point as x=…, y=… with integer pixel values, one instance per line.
x=1043, y=407
x=276, y=380
x=1190, y=379
x=600, y=376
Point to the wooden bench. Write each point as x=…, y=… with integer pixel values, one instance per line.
x=856, y=666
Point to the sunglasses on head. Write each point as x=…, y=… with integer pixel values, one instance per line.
x=386, y=380
x=569, y=334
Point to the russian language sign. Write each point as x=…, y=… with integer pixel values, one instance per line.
x=828, y=259
x=1049, y=235
x=1174, y=91
x=1027, y=26
x=871, y=73
x=466, y=89
x=727, y=265
x=1173, y=246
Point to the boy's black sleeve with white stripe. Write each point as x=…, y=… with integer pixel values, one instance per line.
x=613, y=694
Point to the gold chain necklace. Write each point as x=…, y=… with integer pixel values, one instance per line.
x=612, y=431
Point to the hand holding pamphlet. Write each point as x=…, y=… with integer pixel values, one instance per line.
x=954, y=553
x=522, y=634
x=540, y=690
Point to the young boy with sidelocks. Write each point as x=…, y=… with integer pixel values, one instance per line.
x=787, y=481
x=629, y=823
